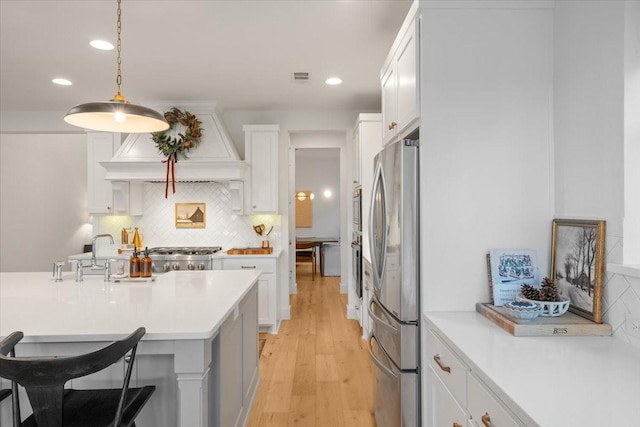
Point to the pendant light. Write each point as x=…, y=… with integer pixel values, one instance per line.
x=116, y=115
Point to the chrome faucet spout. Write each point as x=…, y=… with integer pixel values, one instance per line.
x=93, y=247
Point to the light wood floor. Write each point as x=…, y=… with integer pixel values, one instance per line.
x=317, y=370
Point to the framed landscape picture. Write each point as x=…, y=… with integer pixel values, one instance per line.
x=577, y=264
x=191, y=215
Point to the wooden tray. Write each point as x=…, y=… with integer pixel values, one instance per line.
x=249, y=251
x=568, y=324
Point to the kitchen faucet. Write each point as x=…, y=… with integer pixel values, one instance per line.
x=94, y=265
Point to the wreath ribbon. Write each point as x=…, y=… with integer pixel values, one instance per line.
x=171, y=168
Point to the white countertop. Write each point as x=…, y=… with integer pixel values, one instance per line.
x=555, y=381
x=178, y=305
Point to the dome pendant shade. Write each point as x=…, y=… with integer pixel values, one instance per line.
x=116, y=116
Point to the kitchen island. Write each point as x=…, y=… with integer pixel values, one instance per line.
x=201, y=337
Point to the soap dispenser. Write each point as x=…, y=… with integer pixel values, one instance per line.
x=146, y=264
x=134, y=264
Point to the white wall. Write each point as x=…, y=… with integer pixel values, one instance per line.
x=43, y=199
x=590, y=136
x=318, y=174
x=486, y=145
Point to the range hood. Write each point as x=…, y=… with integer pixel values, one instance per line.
x=214, y=159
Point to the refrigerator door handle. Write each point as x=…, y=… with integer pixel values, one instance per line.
x=377, y=361
x=377, y=231
x=385, y=324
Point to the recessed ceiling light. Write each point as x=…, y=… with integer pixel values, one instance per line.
x=332, y=81
x=62, y=82
x=101, y=44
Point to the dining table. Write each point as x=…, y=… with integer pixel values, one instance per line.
x=317, y=242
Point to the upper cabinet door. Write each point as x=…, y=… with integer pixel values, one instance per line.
x=399, y=82
x=261, y=147
x=407, y=88
x=389, y=104
x=100, y=148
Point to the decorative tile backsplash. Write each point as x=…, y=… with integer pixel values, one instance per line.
x=223, y=227
x=621, y=294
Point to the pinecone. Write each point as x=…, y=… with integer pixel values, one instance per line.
x=548, y=290
x=530, y=292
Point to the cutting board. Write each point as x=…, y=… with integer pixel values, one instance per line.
x=568, y=324
x=249, y=251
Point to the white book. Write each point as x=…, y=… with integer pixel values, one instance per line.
x=510, y=269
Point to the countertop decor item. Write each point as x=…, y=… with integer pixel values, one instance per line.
x=577, y=264
x=522, y=310
x=172, y=146
x=116, y=115
x=567, y=325
x=549, y=308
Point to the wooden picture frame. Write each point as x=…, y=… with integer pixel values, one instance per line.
x=577, y=264
x=191, y=215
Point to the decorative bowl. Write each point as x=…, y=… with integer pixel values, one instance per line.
x=522, y=310
x=549, y=308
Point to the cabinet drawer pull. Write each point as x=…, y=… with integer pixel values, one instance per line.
x=247, y=266
x=457, y=425
x=486, y=419
x=439, y=362
x=392, y=125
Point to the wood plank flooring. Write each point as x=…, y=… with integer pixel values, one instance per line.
x=317, y=371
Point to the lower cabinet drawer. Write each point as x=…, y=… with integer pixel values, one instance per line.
x=442, y=407
x=485, y=409
x=448, y=367
x=266, y=265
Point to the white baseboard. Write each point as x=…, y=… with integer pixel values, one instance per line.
x=344, y=287
x=285, y=313
x=352, y=313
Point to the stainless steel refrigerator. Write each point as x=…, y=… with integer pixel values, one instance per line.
x=395, y=306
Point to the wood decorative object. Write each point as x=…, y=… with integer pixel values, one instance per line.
x=249, y=251
x=304, y=209
x=568, y=324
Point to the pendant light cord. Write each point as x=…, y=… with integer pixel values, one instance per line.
x=119, y=96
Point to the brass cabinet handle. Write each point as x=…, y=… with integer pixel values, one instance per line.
x=439, y=362
x=486, y=419
x=392, y=125
x=457, y=425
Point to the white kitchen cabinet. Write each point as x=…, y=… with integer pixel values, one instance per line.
x=368, y=133
x=109, y=197
x=239, y=362
x=443, y=408
x=267, y=283
x=261, y=152
x=399, y=80
x=455, y=394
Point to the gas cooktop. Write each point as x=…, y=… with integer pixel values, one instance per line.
x=194, y=250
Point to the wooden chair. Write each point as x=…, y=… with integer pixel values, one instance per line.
x=306, y=252
x=53, y=406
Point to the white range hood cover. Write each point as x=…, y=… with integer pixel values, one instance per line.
x=214, y=159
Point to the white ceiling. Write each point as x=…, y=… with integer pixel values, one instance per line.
x=238, y=53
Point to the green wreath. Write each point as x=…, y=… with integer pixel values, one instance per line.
x=169, y=146
x=172, y=146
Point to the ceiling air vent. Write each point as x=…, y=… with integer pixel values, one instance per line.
x=300, y=76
